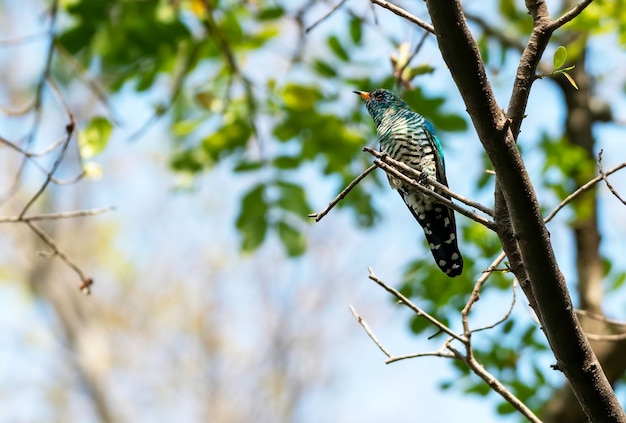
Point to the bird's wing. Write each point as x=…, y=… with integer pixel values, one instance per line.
x=438, y=152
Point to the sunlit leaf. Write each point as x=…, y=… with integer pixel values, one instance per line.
x=92, y=170
x=94, y=138
x=560, y=56
x=570, y=79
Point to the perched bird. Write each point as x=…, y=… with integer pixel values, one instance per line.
x=408, y=138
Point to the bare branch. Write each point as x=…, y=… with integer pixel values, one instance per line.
x=495, y=385
x=85, y=284
x=418, y=311
x=575, y=11
x=69, y=132
x=326, y=16
x=606, y=180
x=607, y=337
x=580, y=190
x=55, y=216
x=421, y=176
x=506, y=315
x=342, y=194
x=404, y=14
x=369, y=332
x=600, y=318
x=440, y=199
x=440, y=353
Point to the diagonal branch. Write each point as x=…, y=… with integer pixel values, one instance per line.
x=419, y=176
x=571, y=14
x=404, y=14
x=404, y=300
x=606, y=180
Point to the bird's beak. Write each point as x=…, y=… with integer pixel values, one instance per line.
x=364, y=94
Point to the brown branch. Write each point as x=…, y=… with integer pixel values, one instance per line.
x=369, y=332
x=418, y=311
x=429, y=181
x=433, y=194
x=496, y=385
x=606, y=180
x=581, y=189
x=528, y=234
x=85, y=284
x=404, y=14
x=342, y=194
x=600, y=317
x=468, y=358
x=326, y=16
x=571, y=14
x=55, y=216
x=69, y=132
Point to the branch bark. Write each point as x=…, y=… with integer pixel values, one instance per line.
x=497, y=133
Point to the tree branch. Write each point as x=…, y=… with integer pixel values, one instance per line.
x=320, y=215
x=498, y=134
x=575, y=11
x=404, y=14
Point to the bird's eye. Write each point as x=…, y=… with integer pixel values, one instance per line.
x=378, y=97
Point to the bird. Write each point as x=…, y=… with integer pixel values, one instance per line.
x=407, y=137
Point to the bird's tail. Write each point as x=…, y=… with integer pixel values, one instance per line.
x=440, y=230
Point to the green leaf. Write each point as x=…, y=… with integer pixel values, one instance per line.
x=185, y=127
x=356, y=29
x=252, y=219
x=292, y=239
x=93, y=139
x=293, y=198
x=324, y=69
x=271, y=13
x=187, y=161
x=226, y=140
x=560, y=56
x=286, y=162
x=419, y=70
x=300, y=97
x=337, y=48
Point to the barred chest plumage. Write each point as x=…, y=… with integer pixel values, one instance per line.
x=404, y=138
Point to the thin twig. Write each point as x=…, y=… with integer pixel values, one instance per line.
x=369, y=332
x=55, y=216
x=442, y=354
x=23, y=39
x=69, y=132
x=599, y=317
x=495, y=385
x=326, y=16
x=571, y=14
x=606, y=180
x=390, y=169
x=506, y=315
x=404, y=14
x=399, y=71
x=404, y=300
x=606, y=338
x=85, y=285
x=342, y=194
x=584, y=187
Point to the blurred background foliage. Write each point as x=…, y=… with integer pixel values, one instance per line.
x=261, y=89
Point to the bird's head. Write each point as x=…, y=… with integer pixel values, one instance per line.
x=379, y=101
